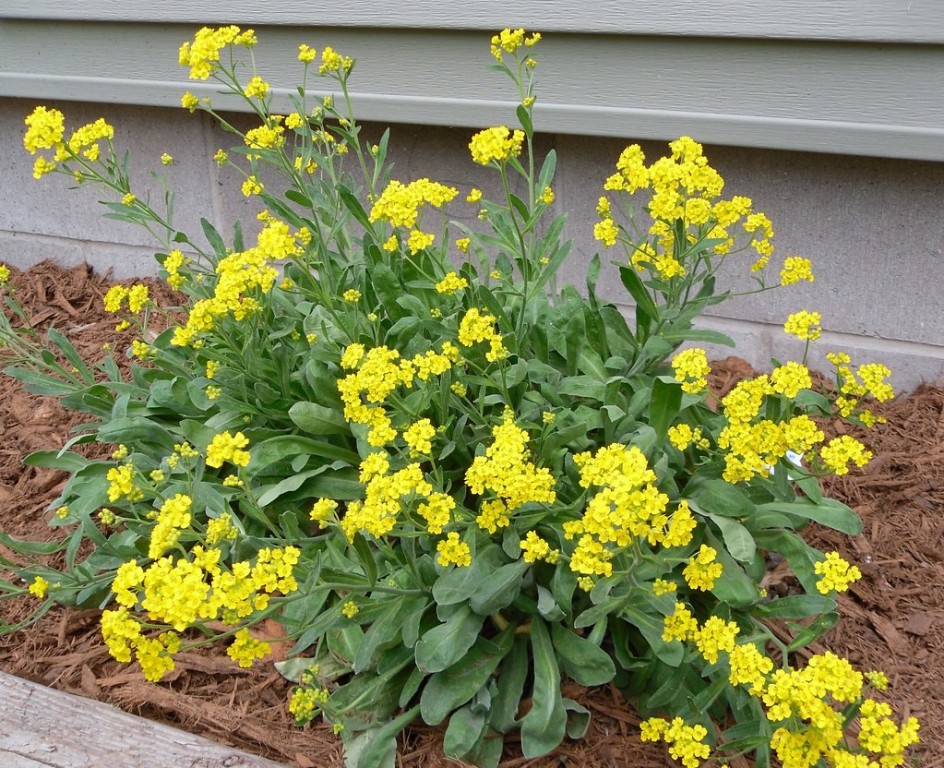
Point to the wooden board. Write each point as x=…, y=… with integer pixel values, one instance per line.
x=44, y=728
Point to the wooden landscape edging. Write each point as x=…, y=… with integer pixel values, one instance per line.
x=44, y=728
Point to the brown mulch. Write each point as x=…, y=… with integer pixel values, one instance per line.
x=892, y=619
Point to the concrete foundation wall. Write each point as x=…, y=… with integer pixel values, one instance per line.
x=873, y=227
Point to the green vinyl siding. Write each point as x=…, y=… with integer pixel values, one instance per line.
x=870, y=83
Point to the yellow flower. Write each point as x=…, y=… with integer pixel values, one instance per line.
x=189, y=101
x=804, y=325
x=837, y=574
x=306, y=54
x=44, y=129
x=351, y=295
x=796, y=269
x=451, y=283
x=842, y=451
x=332, y=61
x=691, y=370
x=166, y=159
x=39, y=587
x=228, y=447
x=256, y=88
x=496, y=144
x=350, y=609
x=451, y=551
x=245, y=649
x=534, y=548
x=702, y=570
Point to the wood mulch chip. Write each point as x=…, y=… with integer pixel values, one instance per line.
x=893, y=619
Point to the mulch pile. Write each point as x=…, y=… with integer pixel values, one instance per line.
x=892, y=619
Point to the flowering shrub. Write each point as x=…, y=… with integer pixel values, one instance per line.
x=451, y=482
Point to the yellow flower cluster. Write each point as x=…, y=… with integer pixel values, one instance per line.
x=810, y=704
x=842, y=451
x=496, y=145
x=377, y=373
x=510, y=40
x=871, y=380
x=755, y=445
x=401, y=204
x=39, y=587
x=627, y=506
x=685, y=741
x=245, y=649
x=703, y=569
x=203, y=54
x=121, y=484
x=172, y=518
x=506, y=471
x=451, y=283
x=684, y=188
x=332, y=61
x=265, y=136
x=476, y=327
x=418, y=437
x=804, y=325
x=837, y=574
x=256, y=88
x=795, y=269
x=239, y=275
x=437, y=511
x=228, y=447
x=682, y=436
x=306, y=702
x=378, y=513
x=749, y=666
x=451, y=551
x=137, y=297
x=691, y=370
x=44, y=129
x=535, y=548
x=86, y=138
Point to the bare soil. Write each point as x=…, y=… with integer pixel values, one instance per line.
x=892, y=619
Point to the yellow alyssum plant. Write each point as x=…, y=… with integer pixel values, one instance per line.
x=452, y=483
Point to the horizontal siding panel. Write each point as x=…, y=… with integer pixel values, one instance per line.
x=881, y=100
x=915, y=21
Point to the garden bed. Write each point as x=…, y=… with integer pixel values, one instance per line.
x=891, y=619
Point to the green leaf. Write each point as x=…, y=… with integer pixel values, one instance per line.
x=664, y=406
x=382, y=633
x=700, y=335
x=716, y=497
x=451, y=688
x=805, y=635
x=543, y=728
x=632, y=283
x=734, y=587
x=137, y=431
x=65, y=462
x=794, y=607
x=318, y=419
x=578, y=719
x=498, y=589
x=737, y=539
x=377, y=747
x=277, y=448
x=465, y=729
x=581, y=660
x=510, y=686
x=459, y=584
x=443, y=645
x=213, y=238
x=829, y=512
x=670, y=653
x=524, y=118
